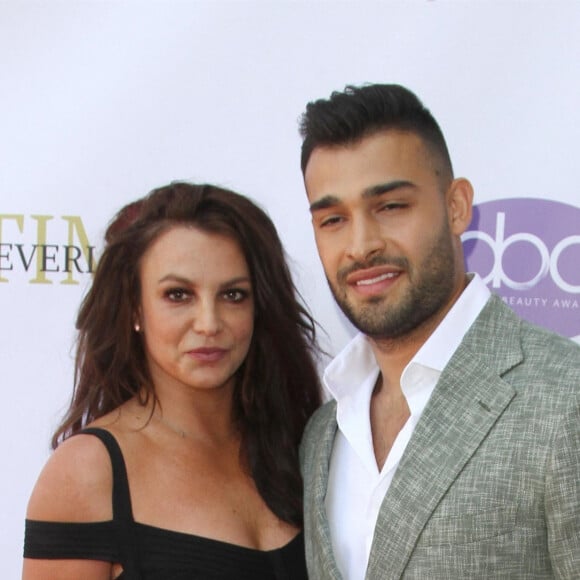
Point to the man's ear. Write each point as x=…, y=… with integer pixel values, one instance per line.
x=459, y=205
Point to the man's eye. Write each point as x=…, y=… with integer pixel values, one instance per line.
x=330, y=221
x=391, y=206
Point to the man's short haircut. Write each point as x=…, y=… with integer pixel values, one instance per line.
x=359, y=112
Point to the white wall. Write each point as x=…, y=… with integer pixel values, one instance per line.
x=102, y=101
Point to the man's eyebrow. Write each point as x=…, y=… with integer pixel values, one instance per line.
x=324, y=203
x=382, y=188
x=374, y=191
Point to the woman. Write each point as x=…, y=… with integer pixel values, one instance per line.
x=194, y=380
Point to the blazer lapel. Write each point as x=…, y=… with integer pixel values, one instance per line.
x=319, y=544
x=468, y=399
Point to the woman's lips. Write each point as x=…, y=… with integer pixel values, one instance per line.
x=207, y=354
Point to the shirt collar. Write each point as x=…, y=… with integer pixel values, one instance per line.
x=443, y=342
x=355, y=369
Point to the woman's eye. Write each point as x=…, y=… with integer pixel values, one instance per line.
x=235, y=295
x=176, y=294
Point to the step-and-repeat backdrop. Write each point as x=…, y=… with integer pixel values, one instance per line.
x=102, y=101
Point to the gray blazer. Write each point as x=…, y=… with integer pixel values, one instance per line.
x=489, y=485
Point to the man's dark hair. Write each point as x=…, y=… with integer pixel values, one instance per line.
x=358, y=112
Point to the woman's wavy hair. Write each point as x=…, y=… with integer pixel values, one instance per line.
x=277, y=387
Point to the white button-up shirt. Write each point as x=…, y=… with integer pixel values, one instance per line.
x=356, y=487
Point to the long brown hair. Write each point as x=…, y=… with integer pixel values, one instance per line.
x=277, y=386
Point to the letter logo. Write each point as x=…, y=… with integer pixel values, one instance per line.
x=528, y=252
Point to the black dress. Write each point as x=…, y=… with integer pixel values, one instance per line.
x=150, y=553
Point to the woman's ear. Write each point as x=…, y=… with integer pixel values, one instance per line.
x=459, y=205
x=137, y=326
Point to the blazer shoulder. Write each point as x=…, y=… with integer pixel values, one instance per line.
x=320, y=419
x=506, y=342
x=543, y=339
x=551, y=354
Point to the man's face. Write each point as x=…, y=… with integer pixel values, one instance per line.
x=387, y=232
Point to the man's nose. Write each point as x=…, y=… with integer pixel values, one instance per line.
x=366, y=239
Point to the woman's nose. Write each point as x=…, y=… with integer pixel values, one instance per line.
x=206, y=319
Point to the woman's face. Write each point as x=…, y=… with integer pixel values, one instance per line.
x=197, y=309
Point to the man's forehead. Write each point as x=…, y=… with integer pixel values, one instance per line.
x=377, y=159
x=387, y=142
x=385, y=152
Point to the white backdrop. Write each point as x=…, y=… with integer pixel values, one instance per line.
x=102, y=101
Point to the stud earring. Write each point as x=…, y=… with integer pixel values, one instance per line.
x=137, y=327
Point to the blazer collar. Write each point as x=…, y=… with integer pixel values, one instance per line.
x=467, y=401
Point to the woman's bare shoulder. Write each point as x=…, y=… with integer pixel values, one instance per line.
x=75, y=485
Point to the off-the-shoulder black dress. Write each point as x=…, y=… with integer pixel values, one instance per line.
x=150, y=553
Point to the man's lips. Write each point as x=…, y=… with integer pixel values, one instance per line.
x=370, y=276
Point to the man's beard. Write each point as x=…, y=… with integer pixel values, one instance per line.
x=431, y=286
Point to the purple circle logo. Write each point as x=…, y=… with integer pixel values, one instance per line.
x=528, y=252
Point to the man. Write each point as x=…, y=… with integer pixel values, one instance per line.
x=451, y=449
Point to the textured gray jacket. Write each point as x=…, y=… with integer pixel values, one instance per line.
x=489, y=485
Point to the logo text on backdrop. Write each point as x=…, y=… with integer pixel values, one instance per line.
x=49, y=249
